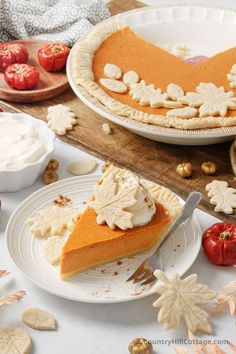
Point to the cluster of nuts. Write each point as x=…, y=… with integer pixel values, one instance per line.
x=185, y=169
x=140, y=346
x=50, y=175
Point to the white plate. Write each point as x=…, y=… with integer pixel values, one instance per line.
x=205, y=31
x=106, y=283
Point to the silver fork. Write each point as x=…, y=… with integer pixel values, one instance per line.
x=145, y=271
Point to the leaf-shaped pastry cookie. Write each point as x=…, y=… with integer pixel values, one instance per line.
x=148, y=95
x=223, y=197
x=52, y=249
x=183, y=299
x=53, y=221
x=174, y=91
x=231, y=76
x=14, y=340
x=184, y=113
x=211, y=99
x=38, y=319
x=112, y=71
x=111, y=201
x=82, y=167
x=61, y=118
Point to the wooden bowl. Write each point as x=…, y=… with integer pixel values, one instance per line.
x=50, y=84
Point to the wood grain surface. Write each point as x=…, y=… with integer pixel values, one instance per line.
x=153, y=160
x=49, y=85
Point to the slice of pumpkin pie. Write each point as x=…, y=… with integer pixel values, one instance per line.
x=127, y=215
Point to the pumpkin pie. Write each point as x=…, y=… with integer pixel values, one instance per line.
x=207, y=86
x=92, y=243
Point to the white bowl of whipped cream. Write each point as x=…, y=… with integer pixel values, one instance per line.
x=26, y=145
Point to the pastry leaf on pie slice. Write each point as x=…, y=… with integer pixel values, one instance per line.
x=111, y=201
x=182, y=299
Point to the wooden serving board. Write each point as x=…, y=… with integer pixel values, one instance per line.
x=153, y=160
x=49, y=85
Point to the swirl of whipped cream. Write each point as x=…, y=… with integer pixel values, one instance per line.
x=20, y=145
x=145, y=207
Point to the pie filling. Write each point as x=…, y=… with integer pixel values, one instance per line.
x=112, y=55
x=156, y=66
x=91, y=244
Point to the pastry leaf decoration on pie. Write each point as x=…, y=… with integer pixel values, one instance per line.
x=231, y=76
x=111, y=201
x=148, y=95
x=222, y=196
x=52, y=221
x=183, y=299
x=211, y=99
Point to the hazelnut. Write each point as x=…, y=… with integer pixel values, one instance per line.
x=52, y=165
x=140, y=346
x=49, y=177
x=209, y=168
x=184, y=169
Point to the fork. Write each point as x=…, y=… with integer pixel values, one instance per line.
x=145, y=271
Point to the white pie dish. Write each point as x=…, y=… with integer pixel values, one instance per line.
x=15, y=180
x=172, y=25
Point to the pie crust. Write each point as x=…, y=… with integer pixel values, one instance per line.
x=82, y=61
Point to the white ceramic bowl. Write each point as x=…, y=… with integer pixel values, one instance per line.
x=12, y=181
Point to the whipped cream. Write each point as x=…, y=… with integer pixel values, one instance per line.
x=122, y=201
x=20, y=145
x=145, y=207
